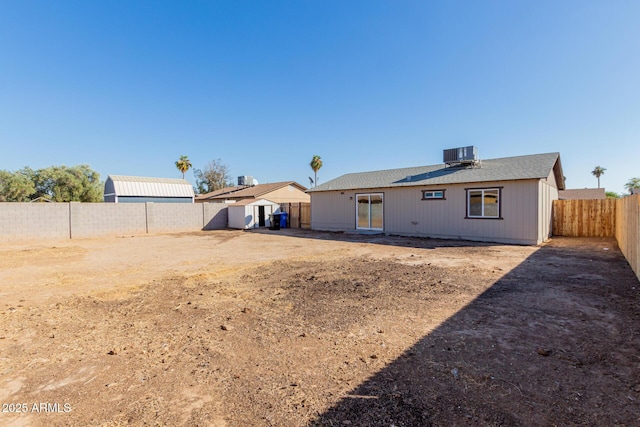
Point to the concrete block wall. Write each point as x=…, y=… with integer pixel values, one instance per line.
x=33, y=221
x=37, y=221
x=104, y=219
x=166, y=217
x=216, y=216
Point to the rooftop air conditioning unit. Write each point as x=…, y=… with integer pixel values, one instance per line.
x=462, y=155
x=245, y=180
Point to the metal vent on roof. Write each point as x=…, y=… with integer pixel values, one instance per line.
x=461, y=156
x=245, y=180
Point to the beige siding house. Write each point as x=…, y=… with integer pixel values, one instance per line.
x=507, y=200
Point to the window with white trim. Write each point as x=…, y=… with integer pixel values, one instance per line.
x=369, y=211
x=433, y=195
x=484, y=203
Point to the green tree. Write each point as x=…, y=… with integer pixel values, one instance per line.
x=316, y=164
x=214, y=176
x=612, y=195
x=68, y=184
x=598, y=171
x=15, y=186
x=632, y=184
x=183, y=165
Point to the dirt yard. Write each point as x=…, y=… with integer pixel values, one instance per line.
x=295, y=328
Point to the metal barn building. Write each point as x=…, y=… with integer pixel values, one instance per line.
x=136, y=189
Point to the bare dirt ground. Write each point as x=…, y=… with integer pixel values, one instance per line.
x=296, y=328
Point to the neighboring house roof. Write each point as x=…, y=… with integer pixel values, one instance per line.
x=535, y=166
x=244, y=192
x=41, y=199
x=582, y=193
x=219, y=192
x=258, y=202
x=145, y=186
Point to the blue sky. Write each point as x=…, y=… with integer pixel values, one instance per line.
x=129, y=86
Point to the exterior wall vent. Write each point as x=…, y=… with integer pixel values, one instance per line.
x=467, y=156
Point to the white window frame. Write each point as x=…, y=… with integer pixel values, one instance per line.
x=433, y=195
x=357, y=212
x=482, y=196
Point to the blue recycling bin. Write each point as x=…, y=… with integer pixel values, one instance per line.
x=283, y=219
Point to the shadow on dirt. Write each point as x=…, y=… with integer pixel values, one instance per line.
x=554, y=342
x=375, y=238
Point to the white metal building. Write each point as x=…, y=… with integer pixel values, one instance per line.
x=247, y=214
x=132, y=189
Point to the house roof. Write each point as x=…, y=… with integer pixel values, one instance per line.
x=253, y=192
x=219, y=192
x=535, y=166
x=248, y=202
x=582, y=193
x=123, y=185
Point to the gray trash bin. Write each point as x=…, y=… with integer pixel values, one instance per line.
x=275, y=222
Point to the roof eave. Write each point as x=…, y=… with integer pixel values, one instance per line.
x=421, y=184
x=559, y=174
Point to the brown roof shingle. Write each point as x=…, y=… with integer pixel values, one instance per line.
x=243, y=192
x=582, y=193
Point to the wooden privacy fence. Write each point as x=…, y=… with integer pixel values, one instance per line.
x=619, y=218
x=628, y=230
x=584, y=218
x=299, y=214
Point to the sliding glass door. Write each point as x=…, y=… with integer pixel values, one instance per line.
x=369, y=211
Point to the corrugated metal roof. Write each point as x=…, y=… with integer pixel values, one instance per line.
x=536, y=166
x=150, y=187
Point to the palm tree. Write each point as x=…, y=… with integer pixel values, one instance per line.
x=633, y=183
x=183, y=165
x=316, y=164
x=598, y=172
